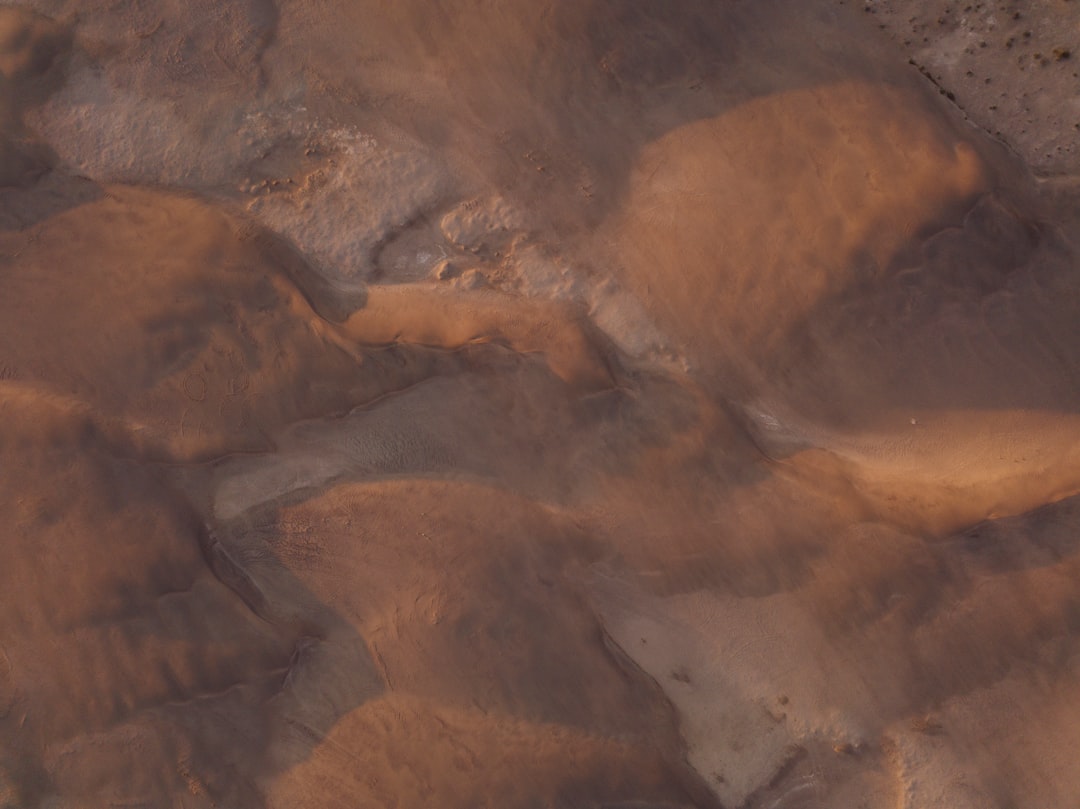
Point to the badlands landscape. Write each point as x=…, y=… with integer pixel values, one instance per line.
x=540, y=403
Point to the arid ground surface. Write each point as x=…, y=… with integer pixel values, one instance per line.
x=540, y=403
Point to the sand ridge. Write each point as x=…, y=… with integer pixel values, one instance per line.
x=526, y=404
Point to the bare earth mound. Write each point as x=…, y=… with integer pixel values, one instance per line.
x=536, y=404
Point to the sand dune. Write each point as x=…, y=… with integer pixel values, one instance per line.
x=533, y=404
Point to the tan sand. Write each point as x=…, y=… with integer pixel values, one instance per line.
x=537, y=404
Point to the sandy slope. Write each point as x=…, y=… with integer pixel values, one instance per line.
x=530, y=404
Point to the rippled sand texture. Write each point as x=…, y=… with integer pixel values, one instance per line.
x=558, y=403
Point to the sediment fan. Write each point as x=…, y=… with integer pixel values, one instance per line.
x=527, y=404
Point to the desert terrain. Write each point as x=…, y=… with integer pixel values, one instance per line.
x=539, y=403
